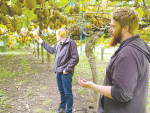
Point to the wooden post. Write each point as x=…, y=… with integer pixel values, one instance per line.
x=42, y=48
x=102, y=53
x=48, y=60
x=38, y=51
x=35, y=48
x=42, y=53
x=31, y=47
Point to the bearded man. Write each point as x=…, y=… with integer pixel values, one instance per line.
x=125, y=87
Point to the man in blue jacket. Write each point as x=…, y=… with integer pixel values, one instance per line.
x=125, y=87
x=66, y=58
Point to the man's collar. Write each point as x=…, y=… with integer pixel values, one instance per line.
x=67, y=40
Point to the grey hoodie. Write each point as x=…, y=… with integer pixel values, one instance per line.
x=128, y=74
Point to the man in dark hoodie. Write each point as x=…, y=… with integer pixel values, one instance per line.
x=125, y=87
x=66, y=58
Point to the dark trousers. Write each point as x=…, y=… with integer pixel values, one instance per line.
x=64, y=82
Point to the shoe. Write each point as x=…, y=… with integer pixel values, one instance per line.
x=61, y=110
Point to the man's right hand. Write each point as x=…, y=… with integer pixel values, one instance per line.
x=39, y=40
x=85, y=83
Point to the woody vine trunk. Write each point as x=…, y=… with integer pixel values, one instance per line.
x=92, y=60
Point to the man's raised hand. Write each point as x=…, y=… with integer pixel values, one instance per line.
x=39, y=40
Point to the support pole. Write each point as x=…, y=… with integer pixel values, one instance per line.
x=35, y=48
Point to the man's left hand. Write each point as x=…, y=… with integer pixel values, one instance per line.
x=64, y=72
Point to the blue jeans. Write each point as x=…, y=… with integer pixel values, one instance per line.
x=64, y=82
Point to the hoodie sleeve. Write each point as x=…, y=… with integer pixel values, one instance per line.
x=49, y=48
x=74, y=57
x=124, y=79
x=147, y=53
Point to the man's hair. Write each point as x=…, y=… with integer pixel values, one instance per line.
x=61, y=30
x=126, y=16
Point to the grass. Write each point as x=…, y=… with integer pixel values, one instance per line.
x=3, y=99
x=24, y=63
x=37, y=110
x=81, y=70
x=45, y=102
x=7, y=71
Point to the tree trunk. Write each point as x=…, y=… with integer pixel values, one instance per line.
x=42, y=48
x=49, y=59
x=92, y=60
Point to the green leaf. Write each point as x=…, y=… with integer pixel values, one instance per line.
x=143, y=22
x=93, y=9
x=21, y=44
x=120, y=3
x=3, y=26
x=84, y=1
x=14, y=1
x=20, y=25
x=148, y=35
x=113, y=3
x=13, y=37
x=66, y=9
x=51, y=1
x=11, y=33
x=108, y=11
x=148, y=2
x=46, y=4
x=25, y=22
x=75, y=1
x=29, y=14
x=101, y=39
x=65, y=1
x=140, y=12
x=60, y=4
x=3, y=49
x=4, y=38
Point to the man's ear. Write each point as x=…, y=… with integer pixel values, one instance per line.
x=125, y=28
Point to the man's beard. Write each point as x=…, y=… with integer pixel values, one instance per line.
x=115, y=39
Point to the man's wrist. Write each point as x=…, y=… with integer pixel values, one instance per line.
x=41, y=41
x=92, y=85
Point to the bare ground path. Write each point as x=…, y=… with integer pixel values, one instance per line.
x=35, y=91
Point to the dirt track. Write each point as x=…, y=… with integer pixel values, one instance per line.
x=36, y=90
